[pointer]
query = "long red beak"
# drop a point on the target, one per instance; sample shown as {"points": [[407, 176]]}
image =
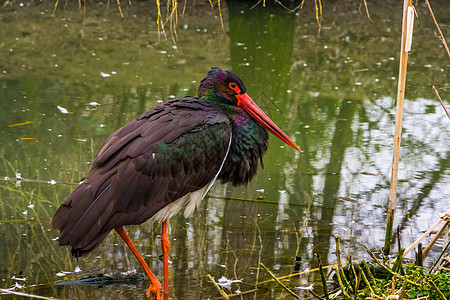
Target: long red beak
{"points": [[247, 104]]}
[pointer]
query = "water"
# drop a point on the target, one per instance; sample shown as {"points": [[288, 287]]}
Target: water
{"points": [[333, 93]]}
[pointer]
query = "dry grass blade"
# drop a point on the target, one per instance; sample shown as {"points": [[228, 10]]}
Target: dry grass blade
{"points": [[279, 282], [120, 9], [56, 6], [318, 9], [6, 292], [367, 10], [440, 100], [441, 36], [84, 18], [20, 124], [297, 274], [220, 13]]}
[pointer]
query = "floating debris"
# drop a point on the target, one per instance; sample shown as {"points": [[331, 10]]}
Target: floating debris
{"points": [[20, 124], [306, 288], [76, 271], [226, 283], [62, 109]]}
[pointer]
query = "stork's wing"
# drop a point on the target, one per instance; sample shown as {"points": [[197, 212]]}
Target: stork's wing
{"points": [[173, 150]]}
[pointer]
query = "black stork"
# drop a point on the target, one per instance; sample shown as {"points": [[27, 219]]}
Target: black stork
{"points": [[164, 160]]}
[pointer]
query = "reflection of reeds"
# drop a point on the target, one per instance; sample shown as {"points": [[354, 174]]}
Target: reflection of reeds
{"points": [[29, 247]]}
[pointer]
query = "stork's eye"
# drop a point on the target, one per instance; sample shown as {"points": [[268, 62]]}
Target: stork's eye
{"points": [[234, 87]]}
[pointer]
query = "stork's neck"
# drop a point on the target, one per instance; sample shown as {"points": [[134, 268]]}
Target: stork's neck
{"points": [[213, 97], [248, 145]]}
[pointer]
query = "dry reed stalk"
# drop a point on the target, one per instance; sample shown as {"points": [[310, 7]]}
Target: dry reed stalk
{"points": [[441, 36], [120, 9], [438, 234], [440, 100], [406, 37], [297, 274], [224, 295], [443, 216], [279, 282]]}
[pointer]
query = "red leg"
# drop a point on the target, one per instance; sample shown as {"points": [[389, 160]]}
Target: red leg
{"points": [[155, 285], [166, 247]]}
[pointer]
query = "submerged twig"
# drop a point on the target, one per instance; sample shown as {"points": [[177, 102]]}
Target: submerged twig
{"points": [[297, 274], [242, 293], [6, 292], [279, 282], [441, 36], [367, 10], [260, 252], [224, 295], [440, 100], [251, 200]]}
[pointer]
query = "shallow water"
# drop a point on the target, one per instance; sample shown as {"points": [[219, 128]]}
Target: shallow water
{"points": [[333, 93]]}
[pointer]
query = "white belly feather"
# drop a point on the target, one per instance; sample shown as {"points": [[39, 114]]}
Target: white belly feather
{"points": [[191, 200]]}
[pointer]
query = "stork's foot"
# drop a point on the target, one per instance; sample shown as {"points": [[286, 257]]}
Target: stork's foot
{"points": [[155, 291]]}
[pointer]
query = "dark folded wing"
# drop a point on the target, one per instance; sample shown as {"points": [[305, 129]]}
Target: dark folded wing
{"points": [[175, 149]]}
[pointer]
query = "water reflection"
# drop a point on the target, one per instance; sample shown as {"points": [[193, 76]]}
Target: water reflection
{"points": [[332, 93]]}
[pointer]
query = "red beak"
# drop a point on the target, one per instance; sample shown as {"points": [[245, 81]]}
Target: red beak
{"points": [[247, 104]]}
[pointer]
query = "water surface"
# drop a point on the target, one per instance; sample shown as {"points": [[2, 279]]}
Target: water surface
{"points": [[332, 91]]}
